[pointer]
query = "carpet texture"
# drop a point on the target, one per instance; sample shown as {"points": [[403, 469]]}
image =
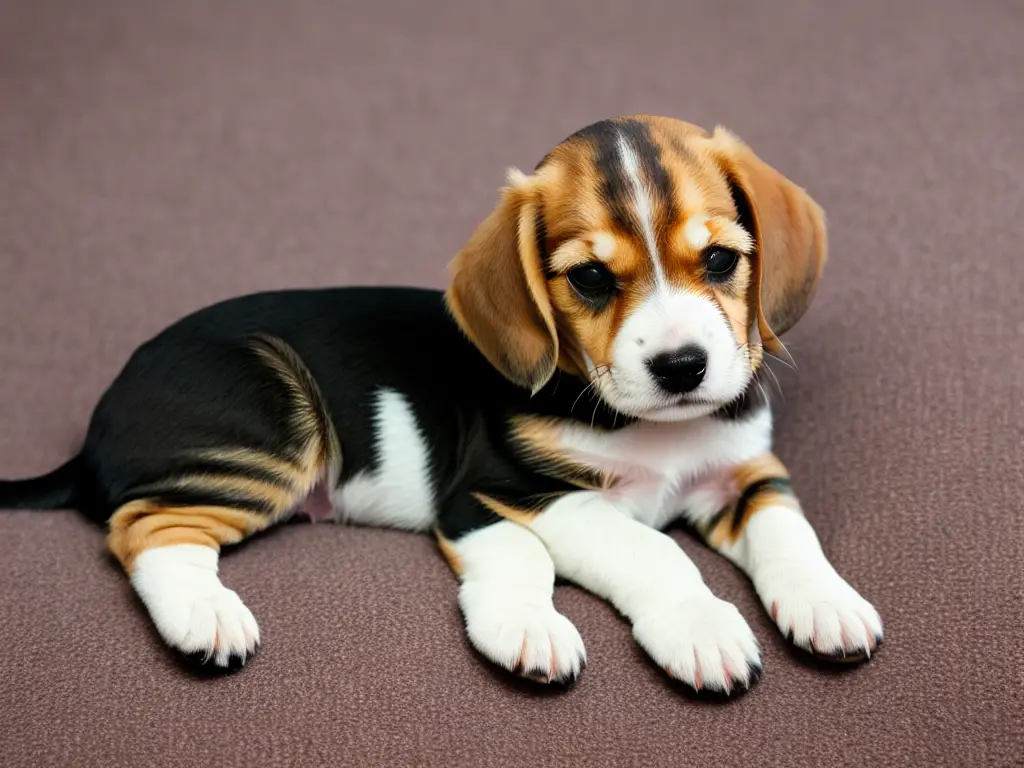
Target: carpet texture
{"points": [[155, 157]]}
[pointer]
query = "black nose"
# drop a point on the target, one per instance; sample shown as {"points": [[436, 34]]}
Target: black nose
{"points": [[680, 371]]}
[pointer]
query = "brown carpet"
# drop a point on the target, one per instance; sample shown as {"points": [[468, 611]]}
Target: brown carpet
{"points": [[156, 156]]}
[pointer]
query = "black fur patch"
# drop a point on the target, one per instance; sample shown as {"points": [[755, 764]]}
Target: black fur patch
{"points": [[749, 403]]}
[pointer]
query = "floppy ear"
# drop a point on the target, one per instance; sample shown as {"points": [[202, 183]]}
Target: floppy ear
{"points": [[789, 230], [498, 294]]}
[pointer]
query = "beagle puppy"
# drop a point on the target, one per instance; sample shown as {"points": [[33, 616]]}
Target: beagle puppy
{"points": [[591, 375]]}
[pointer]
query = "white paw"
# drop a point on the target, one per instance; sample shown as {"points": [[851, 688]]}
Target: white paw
{"points": [[819, 611], [191, 609], [702, 641], [521, 631]]}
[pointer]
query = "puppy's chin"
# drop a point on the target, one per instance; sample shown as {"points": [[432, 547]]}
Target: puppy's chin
{"points": [[682, 412], [656, 407]]}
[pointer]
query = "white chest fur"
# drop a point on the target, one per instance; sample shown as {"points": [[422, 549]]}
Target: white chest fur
{"points": [[658, 465]]}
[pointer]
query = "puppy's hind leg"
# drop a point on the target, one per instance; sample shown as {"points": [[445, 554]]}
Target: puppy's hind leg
{"points": [[167, 533], [171, 555]]}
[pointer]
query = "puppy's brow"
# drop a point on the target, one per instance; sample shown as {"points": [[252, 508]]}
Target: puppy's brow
{"points": [[603, 246], [725, 232], [696, 232], [567, 256]]}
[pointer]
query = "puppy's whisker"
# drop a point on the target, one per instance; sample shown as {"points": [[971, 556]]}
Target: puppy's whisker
{"points": [[764, 394], [780, 360], [775, 380], [598, 372], [581, 394]]}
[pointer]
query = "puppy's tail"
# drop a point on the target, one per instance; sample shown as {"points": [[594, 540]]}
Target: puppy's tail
{"points": [[58, 489]]}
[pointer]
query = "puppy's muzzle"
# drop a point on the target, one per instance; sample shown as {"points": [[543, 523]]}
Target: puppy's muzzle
{"points": [[681, 371]]}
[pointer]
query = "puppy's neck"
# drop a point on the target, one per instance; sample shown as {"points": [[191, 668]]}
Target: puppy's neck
{"points": [[569, 396]]}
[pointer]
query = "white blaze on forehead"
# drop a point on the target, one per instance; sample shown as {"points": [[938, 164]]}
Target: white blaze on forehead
{"points": [[642, 204], [603, 245]]}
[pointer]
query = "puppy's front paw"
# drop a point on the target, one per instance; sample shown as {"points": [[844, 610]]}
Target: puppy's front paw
{"points": [[702, 641], [522, 632], [820, 612], [192, 610]]}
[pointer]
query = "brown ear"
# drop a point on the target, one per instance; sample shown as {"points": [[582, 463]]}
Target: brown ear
{"points": [[498, 294], [789, 229]]}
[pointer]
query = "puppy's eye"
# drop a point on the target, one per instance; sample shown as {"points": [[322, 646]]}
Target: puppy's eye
{"points": [[719, 263], [592, 281]]}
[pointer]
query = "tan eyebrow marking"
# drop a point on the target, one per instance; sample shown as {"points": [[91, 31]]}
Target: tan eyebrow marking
{"points": [[568, 255], [723, 231], [603, 246]]}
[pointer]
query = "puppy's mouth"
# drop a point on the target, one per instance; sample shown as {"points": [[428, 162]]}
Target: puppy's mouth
{"points": [[685, 405], [696, 399], [665, 407]]}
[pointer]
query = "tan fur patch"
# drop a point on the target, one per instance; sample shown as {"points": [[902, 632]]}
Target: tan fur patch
{"points": [[596, 329], [730, 533], [276, 497], [315, 442], [569, 254], [286, 469], [727, 527], [448, 550], [735, 310], [145, 524], [537, 441], [793, 243], [132, 531], [765, 465], [735, 303], [522, 516], [729, 234], [498, 295]]}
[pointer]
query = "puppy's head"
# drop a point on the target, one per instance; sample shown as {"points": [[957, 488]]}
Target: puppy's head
{"points": [[647, 256]]}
